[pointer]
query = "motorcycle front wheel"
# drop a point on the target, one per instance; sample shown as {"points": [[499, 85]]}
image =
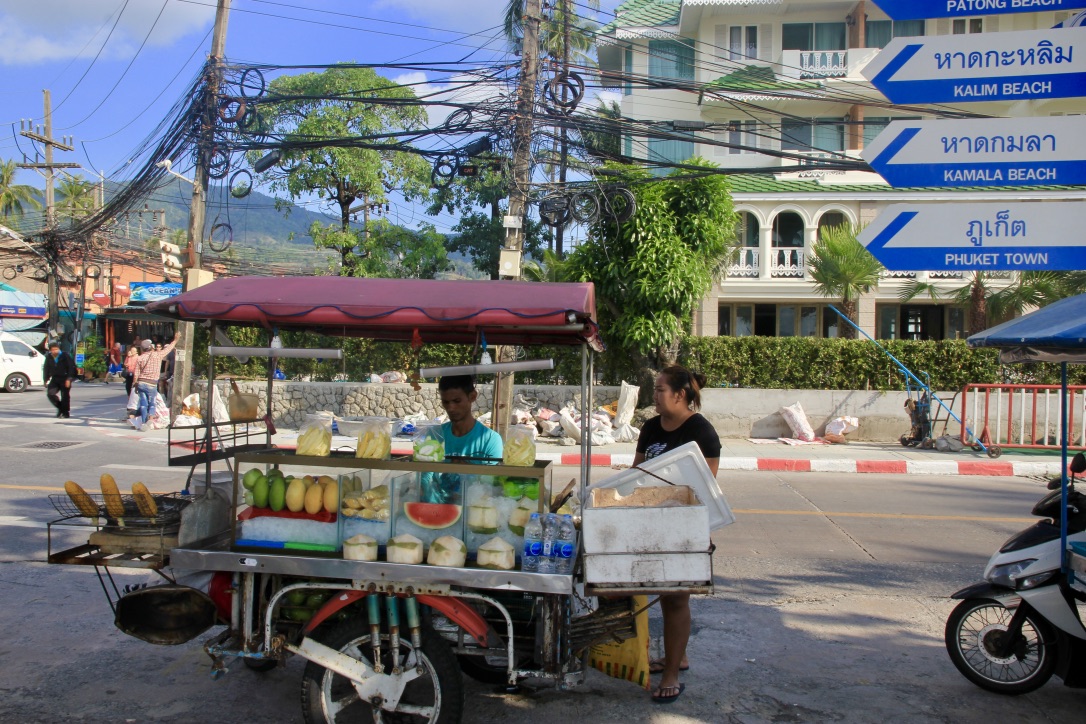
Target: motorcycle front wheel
{"points": [[975, 633]]}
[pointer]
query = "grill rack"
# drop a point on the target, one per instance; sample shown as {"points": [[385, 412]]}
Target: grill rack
{"points": [[169, 505]]}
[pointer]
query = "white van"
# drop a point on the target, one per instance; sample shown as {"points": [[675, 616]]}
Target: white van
{"points": [[21, 365]]}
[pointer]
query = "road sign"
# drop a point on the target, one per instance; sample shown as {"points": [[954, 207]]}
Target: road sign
{"points": [[921, 9], [1026, 65], [986, 236], [981, 152]]}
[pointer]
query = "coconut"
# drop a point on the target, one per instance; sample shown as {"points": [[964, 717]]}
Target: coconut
{"points": [[404, 549], [360, 548], [483, 517], [447, 551], [496, 553], [522, 514]]}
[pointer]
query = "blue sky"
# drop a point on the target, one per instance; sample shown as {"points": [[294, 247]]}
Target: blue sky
{"points": [[115, 67]]}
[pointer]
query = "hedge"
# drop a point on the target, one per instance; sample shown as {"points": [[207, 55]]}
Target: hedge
{"points": [[758, 362]]}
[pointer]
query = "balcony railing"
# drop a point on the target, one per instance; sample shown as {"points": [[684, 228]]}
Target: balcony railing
{"points": [[823, 63], [786, 262], [746, 265], [945, 275], [887, 274]]}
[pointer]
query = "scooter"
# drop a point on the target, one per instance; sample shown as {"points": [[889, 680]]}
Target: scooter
{"points": [[1011, 633]]}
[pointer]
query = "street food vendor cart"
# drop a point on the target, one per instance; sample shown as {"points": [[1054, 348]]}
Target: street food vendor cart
{"points": [[384, 637]]}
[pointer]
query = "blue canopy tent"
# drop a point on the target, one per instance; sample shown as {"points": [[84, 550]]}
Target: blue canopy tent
{"points": [[1056, 333]]}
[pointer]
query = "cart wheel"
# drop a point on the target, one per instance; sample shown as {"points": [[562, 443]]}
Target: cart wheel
{"points": [[994, 451], [435, 697], [260, 665], [977, 447]]}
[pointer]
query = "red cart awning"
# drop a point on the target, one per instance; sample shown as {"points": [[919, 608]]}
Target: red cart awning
{"points": [[508, 312]]}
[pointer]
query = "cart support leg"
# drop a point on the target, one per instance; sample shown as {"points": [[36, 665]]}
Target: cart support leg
{"points": [[373, 609], [392, 606]]}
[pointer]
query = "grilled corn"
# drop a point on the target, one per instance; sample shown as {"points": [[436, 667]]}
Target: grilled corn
{"points": [[114, 504], [144, 501], [82, 501]]}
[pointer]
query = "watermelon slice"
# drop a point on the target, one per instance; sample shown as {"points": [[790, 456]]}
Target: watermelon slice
{"points": [[432, 515]]}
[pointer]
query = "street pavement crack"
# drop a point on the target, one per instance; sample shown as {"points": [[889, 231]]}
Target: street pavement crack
{"points": [[829, 518]]}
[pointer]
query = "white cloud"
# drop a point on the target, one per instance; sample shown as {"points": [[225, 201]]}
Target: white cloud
{"points": [[58, 30]]}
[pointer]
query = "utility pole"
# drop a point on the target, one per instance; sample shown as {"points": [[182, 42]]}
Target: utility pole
{"points": [[510, 256], [182, 369], [44, 136]]}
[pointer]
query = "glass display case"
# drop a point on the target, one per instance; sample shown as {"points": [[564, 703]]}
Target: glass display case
{"points": [[382, 499]]}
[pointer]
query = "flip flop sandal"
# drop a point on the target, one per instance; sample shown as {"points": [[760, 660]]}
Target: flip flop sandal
{"points": [[656, 666], [668, 699]]}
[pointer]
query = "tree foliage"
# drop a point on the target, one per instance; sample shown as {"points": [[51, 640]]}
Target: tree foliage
{"points": [[15, 198], [332, 105], [652, 271], [841, 267]]}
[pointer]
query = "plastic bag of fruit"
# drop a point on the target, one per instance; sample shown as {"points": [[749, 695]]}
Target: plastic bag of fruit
{"points": [[519, 446], [315, 436], [374, 439], [428, 444]]}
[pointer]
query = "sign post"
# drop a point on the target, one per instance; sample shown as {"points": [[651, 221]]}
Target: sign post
{"points": [[988, 236], [1025, 65], [981, 152]]}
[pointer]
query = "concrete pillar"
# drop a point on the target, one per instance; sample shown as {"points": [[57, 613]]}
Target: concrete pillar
{"points": [[706, 316], [865, 313], [765, 250]]}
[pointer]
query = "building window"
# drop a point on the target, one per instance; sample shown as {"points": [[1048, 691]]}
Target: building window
{"points": [[968, 26], [873, 126], [818, 134], [788, 230], [627, 66], [808, 321], [773, 320], [955, 323], [879, 33], [814, 36], [743, 42], [668, 151], [786, 320], [740, 138], [887, 322], [831, 323], [749, 229], [671, 59], [744, 320], [829, 220]]}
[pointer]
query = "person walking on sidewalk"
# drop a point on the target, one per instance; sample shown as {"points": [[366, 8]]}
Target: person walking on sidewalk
{"points": [[677, 395], [145, 379], [59, 373]]}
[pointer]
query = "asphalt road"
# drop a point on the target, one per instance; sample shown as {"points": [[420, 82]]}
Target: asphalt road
{"points": [[831, 596]]}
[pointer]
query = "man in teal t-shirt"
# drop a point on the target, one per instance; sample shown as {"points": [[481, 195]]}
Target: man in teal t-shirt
{"points": [[464, 436]]}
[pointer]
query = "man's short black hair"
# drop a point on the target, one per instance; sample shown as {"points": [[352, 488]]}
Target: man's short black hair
{"points": [[54, 344], [456, 382]]}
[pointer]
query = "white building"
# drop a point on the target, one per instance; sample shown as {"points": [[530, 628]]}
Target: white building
{"points": [[773, 76]]}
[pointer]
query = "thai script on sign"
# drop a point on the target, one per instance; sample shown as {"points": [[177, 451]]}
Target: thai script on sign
{"points": [[1044, 54], [997, 144], [1002, 227]]}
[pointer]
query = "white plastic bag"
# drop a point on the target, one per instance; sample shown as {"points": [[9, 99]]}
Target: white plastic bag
{"points": [[519, 446], [627, 406], [394, 376], [842, 425], [315, 436], [797, 422]]}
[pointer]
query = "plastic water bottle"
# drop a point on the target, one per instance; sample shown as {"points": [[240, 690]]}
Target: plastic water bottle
{"points": [[533, 544], [565, 545], [550, 536]]}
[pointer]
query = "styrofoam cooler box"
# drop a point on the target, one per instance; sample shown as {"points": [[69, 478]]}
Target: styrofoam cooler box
{"points": [[648, 520], [660, 572], [685, 465]]}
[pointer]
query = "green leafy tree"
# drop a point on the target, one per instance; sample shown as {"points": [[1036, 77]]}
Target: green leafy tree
{"points": [[76, 197], [550, 268], [337, 105], [652, 271], [841, 267], [15, 198]]}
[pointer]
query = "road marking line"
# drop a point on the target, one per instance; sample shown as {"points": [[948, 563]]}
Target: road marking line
{"points": [[30, 487], [896, 516]]}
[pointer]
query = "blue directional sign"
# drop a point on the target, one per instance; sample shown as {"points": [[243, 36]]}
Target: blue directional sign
{"points": [[981, 236], [981, 152], [921, 9], [1026, 65]]}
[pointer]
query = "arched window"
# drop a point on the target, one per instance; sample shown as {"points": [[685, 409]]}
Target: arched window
{"points": [[788, 230], [830, 219]]}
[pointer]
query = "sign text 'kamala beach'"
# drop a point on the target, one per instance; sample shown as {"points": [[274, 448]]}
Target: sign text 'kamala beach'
{"points": [[1026, 65], [923, 9], [985, 236], [981, 152]]}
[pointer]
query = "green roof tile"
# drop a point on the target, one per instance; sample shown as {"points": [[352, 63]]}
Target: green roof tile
{"points": [[644, 14], [756, 78]]}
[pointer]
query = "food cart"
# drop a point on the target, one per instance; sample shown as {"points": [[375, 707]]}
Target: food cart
{"points": [[384, 638]]}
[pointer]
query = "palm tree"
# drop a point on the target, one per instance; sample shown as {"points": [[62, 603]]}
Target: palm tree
{"points": [[13, 196], [988, 304], [548, 269], [76, 196], [841, 267]]}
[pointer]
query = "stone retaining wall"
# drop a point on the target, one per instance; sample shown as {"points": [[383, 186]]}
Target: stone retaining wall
{"points": [[291, 401]]}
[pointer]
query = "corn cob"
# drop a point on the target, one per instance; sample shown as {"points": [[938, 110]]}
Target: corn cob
{"points": [[144, 501], [82, 501], [114, 504]]}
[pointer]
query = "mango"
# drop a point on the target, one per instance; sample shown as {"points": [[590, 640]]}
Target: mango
{"points": [[295, 496], [314, 499], [277, 494], [326, 480], [260, 493], [331, 497]]}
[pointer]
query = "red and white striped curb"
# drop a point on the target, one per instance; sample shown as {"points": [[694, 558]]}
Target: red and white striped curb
{"points": [[886, 467]]}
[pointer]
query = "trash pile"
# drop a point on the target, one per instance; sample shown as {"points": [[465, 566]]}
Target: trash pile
{"points": [[608, 424]]}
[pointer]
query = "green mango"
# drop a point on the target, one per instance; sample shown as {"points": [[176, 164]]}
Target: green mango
{"points": [[250, 478], [297, 597], [277, 494], [260, 493]]}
